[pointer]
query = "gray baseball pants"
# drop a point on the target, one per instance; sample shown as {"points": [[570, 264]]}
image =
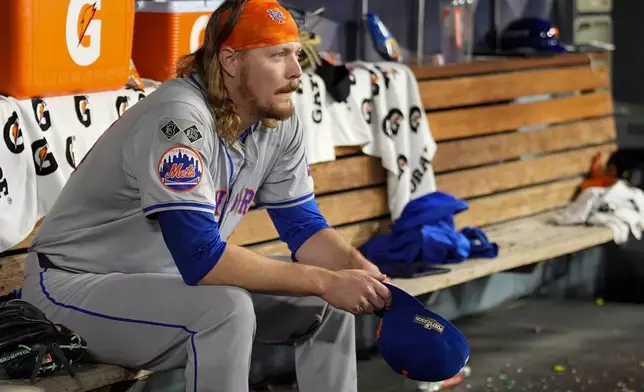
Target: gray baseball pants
{"points": [[157, 322]]}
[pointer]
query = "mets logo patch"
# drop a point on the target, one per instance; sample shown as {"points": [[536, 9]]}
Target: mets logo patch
{"points": [[180, 169]]}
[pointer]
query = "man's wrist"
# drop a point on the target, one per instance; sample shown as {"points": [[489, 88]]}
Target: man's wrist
{"points": [[321, 278], [358, 261]]}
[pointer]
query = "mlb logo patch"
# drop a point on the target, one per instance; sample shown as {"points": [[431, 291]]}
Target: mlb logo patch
{"points": [[276, 14], [180, 169]]}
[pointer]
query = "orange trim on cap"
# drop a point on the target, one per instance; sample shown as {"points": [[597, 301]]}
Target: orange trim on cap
{"points": [[263, 23]]}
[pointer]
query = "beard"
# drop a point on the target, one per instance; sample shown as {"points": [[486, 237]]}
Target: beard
{"points": [[274, 110]]}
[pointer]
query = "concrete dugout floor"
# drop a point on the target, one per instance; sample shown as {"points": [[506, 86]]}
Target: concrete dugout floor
{"points": [[542, 345]]}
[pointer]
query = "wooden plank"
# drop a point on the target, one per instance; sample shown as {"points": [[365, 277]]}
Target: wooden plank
{"points": [[347, 173], [353, 206], [471, 90], [453, 124], [346, 150], [521, 242], [11, 273], [518, 203], [471, 183], [503, 64], [362, 171], [338, 209], [88, 377], [464, 153], [355, 234]]}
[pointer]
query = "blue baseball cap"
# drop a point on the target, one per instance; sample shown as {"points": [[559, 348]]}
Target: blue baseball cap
{"points": [[418, 343], [533, 34]]}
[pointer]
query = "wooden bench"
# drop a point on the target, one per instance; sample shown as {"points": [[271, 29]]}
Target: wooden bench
{"points": [[515, 163]]}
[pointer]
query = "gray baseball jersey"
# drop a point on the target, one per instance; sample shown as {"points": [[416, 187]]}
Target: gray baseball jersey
{"points": [[164, 154]]}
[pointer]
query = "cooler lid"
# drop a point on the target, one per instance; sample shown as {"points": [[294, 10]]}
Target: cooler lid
{"points": [[177, 6]]}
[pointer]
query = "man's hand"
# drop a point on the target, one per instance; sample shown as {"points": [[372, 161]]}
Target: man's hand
{"points": [[370, 267], [356, 291]]}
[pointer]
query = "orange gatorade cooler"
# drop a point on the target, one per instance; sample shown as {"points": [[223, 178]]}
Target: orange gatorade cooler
{"points": [[63, 47], [166, 30]]}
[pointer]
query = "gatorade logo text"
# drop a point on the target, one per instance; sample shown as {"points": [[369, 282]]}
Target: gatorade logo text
{"points": [[13, 134], [41, 113], [69, 152], [402, 164], [419, 172], [414, 118], [4, 187], [81, 105], [121, 105], [43, 158], [196, 34], [83, 31], [391, 123], [316, 115]]}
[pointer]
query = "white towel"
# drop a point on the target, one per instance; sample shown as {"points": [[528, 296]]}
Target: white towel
{"points": [[18, 202], [400, 133], [619, 207], [55, 134], [310, 101], [350, 127]]}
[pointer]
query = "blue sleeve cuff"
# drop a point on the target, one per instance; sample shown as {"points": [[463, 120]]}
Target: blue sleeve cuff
{"points": [[192, 237], [297, 224]]}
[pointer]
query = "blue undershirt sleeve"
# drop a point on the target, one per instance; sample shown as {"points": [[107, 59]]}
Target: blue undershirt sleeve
{"points": [[298, 223], [192, 237]]}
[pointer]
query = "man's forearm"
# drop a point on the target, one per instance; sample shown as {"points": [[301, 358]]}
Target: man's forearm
{"points": [[246, 269], [327, 249]]}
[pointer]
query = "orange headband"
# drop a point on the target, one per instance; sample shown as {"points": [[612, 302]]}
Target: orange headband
{"points": [[263, 23]]}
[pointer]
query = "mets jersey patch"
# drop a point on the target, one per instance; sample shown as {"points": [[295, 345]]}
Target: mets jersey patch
{"points": [[180, 169], [180, 131]]}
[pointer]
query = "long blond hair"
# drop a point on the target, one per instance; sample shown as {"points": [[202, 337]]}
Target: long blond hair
{"points": [[205, 62]]}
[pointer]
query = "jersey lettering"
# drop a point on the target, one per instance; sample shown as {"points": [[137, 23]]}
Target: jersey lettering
{"points": [[240, 205], [233, 207], [220, 198], [246, 200]]}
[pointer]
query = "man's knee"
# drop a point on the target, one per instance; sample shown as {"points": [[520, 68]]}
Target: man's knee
{"points": [[227, 305]]}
